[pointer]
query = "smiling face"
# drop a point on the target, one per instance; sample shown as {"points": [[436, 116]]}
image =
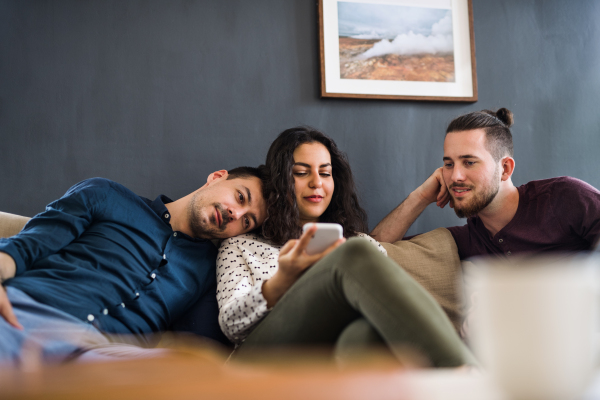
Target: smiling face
{"points": [[226, 208], [470, 172], [313, 180]]}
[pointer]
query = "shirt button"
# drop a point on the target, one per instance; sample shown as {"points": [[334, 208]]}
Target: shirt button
{"points": [[90, 317], [175, 234], [500, 240], [508, 253], [153, 276], [166, 215], [105, 311], [137, 295], [123, 305], [164, 256]]}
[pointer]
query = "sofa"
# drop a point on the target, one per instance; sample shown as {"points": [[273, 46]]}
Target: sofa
{"points": [[430, 258]]}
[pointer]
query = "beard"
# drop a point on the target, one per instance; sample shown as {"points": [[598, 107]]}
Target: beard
{"points": [[479, 200], [201, 227]]}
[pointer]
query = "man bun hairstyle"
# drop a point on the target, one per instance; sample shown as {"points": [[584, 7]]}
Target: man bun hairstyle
{"points": [[496, 125], [504, 115]]}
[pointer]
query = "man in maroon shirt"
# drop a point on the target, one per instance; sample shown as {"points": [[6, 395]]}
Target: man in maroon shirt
{"points": [[558, 214]]}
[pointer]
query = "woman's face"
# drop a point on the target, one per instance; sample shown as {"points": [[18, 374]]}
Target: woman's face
{"points": [[313, 180]]}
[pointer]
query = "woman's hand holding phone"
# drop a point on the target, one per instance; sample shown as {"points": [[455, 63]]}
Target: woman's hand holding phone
{"points": [[293, 261]]}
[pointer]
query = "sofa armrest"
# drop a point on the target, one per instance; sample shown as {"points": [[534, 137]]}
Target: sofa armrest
{"points": [[11, 224], [432, 260]]}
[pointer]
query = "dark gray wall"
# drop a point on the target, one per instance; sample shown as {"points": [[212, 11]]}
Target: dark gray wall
{"points": [[157, 95]]}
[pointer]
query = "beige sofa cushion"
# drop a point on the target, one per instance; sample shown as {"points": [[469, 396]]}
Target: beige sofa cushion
{"points": [[11, 224], [432, 259]]}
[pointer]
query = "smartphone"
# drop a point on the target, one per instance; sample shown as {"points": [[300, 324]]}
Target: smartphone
{"points": [[326, 235]]}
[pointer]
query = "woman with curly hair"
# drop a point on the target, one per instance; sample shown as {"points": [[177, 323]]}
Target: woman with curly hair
{"points": [[271, 293]]}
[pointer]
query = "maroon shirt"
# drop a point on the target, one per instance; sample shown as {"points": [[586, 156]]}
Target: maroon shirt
{"points": [[557, 214]]}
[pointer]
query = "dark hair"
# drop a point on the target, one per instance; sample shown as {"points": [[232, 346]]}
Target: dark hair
{"points": [[281, 224], [496, 125], [247, 172]]}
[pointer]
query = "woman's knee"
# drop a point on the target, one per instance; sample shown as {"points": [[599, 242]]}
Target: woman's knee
{"points": [[358, 247], [358, 254]]}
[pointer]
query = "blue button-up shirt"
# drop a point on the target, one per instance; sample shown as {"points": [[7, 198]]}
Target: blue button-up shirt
{"points": [[110, 257]]}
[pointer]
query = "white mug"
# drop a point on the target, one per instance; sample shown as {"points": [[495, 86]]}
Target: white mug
{"points": [[534, 323]]}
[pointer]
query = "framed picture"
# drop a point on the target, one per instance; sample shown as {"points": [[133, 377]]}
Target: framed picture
{"points": [[398, 49]]}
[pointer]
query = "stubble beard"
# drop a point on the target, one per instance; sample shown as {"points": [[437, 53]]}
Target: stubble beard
{"points": [[202, 228], [479, 200]]}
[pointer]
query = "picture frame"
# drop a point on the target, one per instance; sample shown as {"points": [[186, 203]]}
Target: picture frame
{"points": [[398, 50]]}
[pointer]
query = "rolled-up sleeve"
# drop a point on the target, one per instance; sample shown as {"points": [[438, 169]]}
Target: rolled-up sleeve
{"points": [[63, 221]]}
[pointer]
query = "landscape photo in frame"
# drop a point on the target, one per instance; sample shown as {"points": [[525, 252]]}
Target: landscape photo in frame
{"points": [[398, 49]]}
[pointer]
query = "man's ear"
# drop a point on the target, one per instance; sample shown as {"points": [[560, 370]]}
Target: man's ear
{"points": [[216, 176], [508, 167]]}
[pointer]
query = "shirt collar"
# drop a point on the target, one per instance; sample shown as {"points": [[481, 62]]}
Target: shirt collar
{"points": [[158, 206]]}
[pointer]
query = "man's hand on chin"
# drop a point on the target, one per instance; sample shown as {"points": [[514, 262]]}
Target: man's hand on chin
{"points": [[434, 189], [395, 225]]}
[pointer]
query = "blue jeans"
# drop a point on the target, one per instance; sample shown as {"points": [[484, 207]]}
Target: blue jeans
{"points": [[49, 335]]}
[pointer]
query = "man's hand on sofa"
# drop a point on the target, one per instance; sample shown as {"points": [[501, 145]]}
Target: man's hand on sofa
{"points": [[8, 269], [6, 310]]}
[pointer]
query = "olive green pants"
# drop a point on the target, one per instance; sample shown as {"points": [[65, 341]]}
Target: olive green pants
{"points": [[356, 282]]}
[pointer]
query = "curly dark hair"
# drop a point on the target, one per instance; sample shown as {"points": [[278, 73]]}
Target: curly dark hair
{"points": [[281, 224]]}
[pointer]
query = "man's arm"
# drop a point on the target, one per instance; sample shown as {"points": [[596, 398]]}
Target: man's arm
{"points": [[62, 222], [7, 267], [47, 233], [394, 226], [576, 205]]}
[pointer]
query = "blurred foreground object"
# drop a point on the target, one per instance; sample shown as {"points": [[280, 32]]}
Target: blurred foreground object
{"points": [[535, 325], [196, 371], [201, 373]]}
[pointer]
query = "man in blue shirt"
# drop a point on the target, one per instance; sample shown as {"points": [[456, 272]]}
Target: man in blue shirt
{"points": [[104, 260]]}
